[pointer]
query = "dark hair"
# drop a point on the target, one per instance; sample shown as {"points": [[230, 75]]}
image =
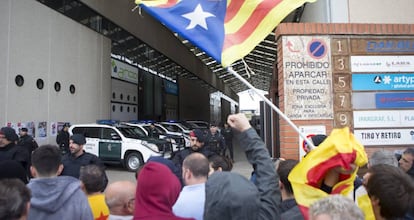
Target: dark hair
{"points": [[46, 159], [14, 196], [285, 166], [92, 177], [198, 164], [393, 188], [409, 150], [217, 161]]}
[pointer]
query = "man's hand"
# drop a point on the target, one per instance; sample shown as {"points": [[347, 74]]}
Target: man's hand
{"points": [[238, 122]]}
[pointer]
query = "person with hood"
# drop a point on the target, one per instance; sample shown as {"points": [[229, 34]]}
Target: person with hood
{"points": [[157, 191], [53, 196], [232, 196]]}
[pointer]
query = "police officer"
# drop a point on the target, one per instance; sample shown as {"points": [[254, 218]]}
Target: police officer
{"points": [[27, 141], [215, 141], [62, 139], [10, 151]]}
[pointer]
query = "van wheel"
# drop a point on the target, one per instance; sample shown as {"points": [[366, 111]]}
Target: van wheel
{"points": [[133, 161]]}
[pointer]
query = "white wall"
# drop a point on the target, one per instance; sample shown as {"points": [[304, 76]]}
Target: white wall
{"points": [[40, 43], [125, 89], [381, 11], [360, 11]]}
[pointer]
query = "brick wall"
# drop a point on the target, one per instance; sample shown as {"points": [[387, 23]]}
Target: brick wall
{"points": [[289, 139]]}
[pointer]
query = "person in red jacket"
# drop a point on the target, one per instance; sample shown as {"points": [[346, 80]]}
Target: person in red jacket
{"points": [[157, 191]]}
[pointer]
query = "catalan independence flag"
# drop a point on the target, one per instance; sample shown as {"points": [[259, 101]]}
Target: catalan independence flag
{"points": [[339, 150], [226, 30]]}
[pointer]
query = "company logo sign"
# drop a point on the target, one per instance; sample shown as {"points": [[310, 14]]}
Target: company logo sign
{"points": [[380, 81]]}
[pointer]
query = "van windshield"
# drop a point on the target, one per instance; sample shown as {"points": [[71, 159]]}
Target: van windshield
{"points": [[132, 132]]}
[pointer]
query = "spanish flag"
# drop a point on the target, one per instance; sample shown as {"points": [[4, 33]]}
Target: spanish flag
{"points": [[340, 149], [226, 30]]}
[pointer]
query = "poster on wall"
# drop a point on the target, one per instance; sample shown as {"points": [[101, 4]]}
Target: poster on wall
{"points": [[30, 127], [309, 131], [18, 125], [59, 125], [53, 128], [42, 129]]}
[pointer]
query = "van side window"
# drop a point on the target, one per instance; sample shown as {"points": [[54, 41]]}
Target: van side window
{"points": [[79, 130], [92, 132], [108, 133]]}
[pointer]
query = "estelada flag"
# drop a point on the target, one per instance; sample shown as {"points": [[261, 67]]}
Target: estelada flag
{"points": [[339, 149], [226, 30]]}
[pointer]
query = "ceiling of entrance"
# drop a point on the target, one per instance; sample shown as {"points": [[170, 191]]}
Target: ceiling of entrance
{"points": [[126, 46]]}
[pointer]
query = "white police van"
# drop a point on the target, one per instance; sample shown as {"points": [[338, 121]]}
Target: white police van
{"points": [[121, 144], [177, 141]]}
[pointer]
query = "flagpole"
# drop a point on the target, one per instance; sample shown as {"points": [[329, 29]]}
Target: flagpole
{"points": [[310, 144]]}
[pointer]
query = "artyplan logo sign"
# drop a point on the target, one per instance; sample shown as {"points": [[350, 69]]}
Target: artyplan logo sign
{"points": [[124, 71], [378, 81]]}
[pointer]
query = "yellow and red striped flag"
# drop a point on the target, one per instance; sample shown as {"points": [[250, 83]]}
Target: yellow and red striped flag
{"points": [[226, 30], [340, 149]]}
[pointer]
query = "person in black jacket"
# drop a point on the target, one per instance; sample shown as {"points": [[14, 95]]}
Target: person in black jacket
{"points": [[289, 208], [10, 151], [231, 196], [214, 141], [62, 139], [73, 161], [228, 139], [197, 139], [27, 141]]}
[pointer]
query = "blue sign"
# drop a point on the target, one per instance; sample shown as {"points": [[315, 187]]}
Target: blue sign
{"points": [[170, 87], [381, 81], [394, 100], [390, 46], [317, 49]]}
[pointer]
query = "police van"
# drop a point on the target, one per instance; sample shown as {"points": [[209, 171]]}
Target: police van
{"points": [[121, 144]]}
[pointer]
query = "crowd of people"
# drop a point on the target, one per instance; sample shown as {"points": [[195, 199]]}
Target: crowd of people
{"points": [[197, 183]]}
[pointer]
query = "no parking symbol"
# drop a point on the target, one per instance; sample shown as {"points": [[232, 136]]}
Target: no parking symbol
{"points": [[317, 48]]}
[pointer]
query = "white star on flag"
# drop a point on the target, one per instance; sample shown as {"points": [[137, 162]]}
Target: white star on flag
{"points": [[198, 17]]}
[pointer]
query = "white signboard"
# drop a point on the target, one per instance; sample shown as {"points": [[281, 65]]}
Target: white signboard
{"points": [[384, 119], [365, 64], [309, 131], [124, 71], [307, 77], [378, 137]]}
